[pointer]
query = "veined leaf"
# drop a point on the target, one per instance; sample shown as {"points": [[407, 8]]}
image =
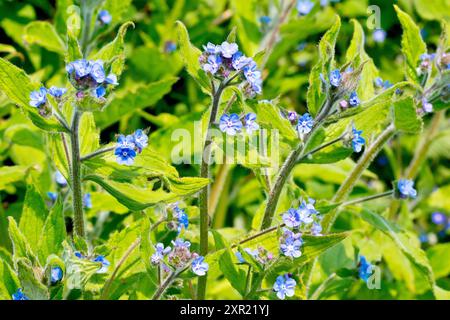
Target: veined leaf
{"points": [[412, 44], [234, 274], [44, 34], [90, 137], [405, 116], [53, 233], [32, 286], [140, 197], [190, 55], [133, 99], [17, 86], [21, 248], [9, 283]]}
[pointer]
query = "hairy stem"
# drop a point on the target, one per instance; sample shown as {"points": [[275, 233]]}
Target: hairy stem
{"points": [[169, 280], [368, 198], [77, 196], [97, 153], [204, 193]]}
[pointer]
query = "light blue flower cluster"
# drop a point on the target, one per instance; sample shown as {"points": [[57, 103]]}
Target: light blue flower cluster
{"points": [[179, 256], [38, 98], [104, 263], [225, 60], [284, 286], [405, 188], [364, 269], [232, 124], [129, 146], [304, 7], [90, 75], [301, 219]]}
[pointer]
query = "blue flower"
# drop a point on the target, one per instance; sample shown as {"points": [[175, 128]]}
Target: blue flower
{"points": [[79, 255], [99, 92], [111, 79], [19, 295], [228, 49], [52, 196], [253, 253], [124, 151], [180, 243], [104, 17], [357, 141], [304, 7], [57, 92], [182, 217], [365, 269], [212, 48], [291, 247], [60, 179], [213, 64], [305, 124], [56, 275], [105, 264], [230, 124], [38, 97], [140, 139], [379, 35], [316, 229], [159, 254], [354, 100], [87, 201], [250, 123], [81, 68], [239, 61], [199, 266], [170, 46], [97, 72], [438, 218], [253, 76], [265, 20], [406, 188], [335, 78], [292, 218], [292, 116], [284, 286], [307, 211], [426, 106]]}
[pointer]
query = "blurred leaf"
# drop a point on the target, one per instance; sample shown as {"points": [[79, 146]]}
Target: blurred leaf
{"points": [[437, 10], [412, 44], [439, 255], [11, 174], [44, 34]]}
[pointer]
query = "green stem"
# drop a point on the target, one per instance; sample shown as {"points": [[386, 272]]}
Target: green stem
{"points": [[322, 287], [86, 32], [169, 280], [77, 196], [204, 193], [97, 153], [368, 198]]}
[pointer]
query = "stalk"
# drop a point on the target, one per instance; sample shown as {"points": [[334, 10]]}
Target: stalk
{"points": [[77, 197], [204, 193]]}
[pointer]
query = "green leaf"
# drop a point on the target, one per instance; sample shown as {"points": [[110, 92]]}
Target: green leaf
{"points": [[22, 134], [412, 44], [44, 34], [90, 139], [21, 248], [133, 99], [439, 255], [405, 116], [11, 174], [437, 10], [315, 96], [32, 287], [15, 84], [404, 240], [34, 214], [117, 9], [113, 52], [234, 274], [190, 55], [140, 197], [53, 233], [73, 47], [9, 283]]}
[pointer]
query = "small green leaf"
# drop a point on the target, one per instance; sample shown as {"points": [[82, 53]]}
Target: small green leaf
{"points": [[21, 248], [234, 274], [405, 116], [32, 286], [190, 55], [412, 44], [53, 233], [9, 283]]}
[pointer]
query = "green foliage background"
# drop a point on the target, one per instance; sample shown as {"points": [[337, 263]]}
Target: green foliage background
{"points": [[159, 89]]}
